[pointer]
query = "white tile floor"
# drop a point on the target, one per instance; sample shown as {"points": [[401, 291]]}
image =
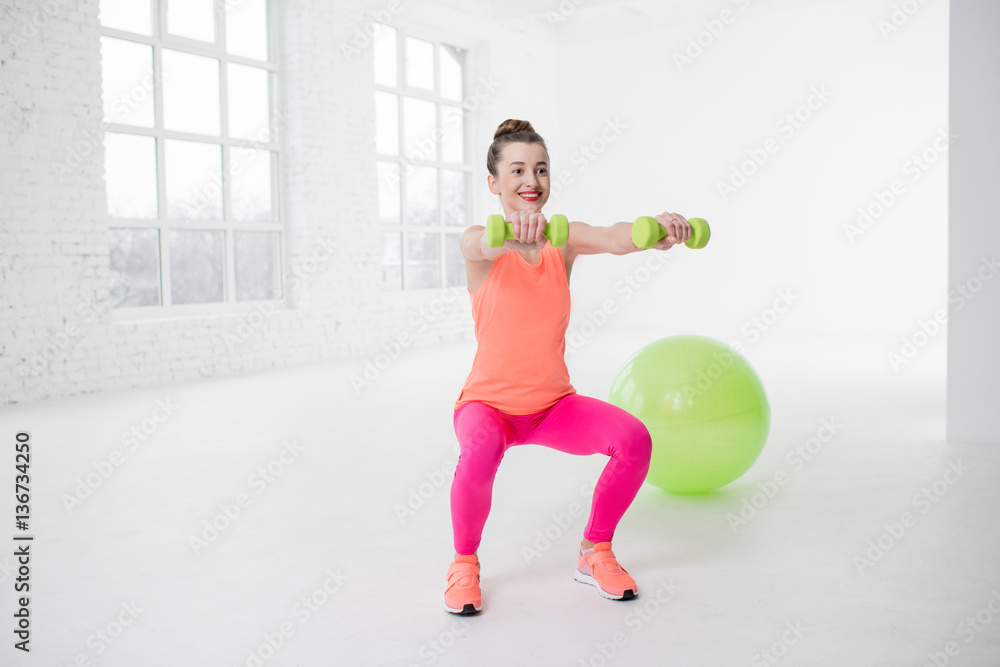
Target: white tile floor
{"points": [[321, 563]]}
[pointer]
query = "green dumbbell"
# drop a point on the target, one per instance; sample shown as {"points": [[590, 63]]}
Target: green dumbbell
{"points": [[647, 232], [499, 230]]}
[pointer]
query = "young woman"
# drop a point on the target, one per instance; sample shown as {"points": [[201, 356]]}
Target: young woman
{"points": [[519, 390]]}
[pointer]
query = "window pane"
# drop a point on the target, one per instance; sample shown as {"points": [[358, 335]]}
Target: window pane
{"points": [[134, 271], [250, 171], [453, 134], [190, 93], [419, 63], [248, 103], [387, 123], [392, 261], [130, 174], [388, 193], [420, 129], [132, 15], [258, 265], [246, 28], [192, 18], [127, 82], [423, 260], [454, 190], [454, 264], [385, 56], [452, 60], [197, 265], [421, 191], [194, 180]]}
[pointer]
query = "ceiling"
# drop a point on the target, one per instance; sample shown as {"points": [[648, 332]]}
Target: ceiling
{"points": [[660, 11], [588, 21]]}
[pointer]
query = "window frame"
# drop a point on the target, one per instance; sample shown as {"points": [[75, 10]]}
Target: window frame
{"points": [[404, 90], [158, 41]]}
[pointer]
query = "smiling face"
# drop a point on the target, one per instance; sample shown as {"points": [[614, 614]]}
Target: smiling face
{"points": [[522, 179]]}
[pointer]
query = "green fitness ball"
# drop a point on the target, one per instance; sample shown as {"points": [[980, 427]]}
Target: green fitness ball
{"points": [[705, 409]]}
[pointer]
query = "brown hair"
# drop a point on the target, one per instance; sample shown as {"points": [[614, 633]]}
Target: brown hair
{"points": [[511, 131]]}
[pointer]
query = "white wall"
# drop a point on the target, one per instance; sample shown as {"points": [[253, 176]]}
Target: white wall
{"points": [[878, 82], [974, 233]]}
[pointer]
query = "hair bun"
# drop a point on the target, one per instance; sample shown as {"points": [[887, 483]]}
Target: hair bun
{"points": [[511, 125], [511, 131]]}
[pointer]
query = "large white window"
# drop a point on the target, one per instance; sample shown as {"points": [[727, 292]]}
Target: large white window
{"points": [[191, 153], [423, 159]]}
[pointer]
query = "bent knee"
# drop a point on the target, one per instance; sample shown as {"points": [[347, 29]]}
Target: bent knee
{"points": [[480, 458], [638, 444], [631, 444]]}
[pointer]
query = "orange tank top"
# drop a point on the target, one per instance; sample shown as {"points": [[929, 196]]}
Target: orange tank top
{"points": [[521, 313]]}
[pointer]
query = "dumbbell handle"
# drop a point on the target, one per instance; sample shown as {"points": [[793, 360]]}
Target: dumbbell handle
{"points": [[499, 230], [647, 232]]}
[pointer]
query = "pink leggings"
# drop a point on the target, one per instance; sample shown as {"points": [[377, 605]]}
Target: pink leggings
{"points": [[575, 425]]}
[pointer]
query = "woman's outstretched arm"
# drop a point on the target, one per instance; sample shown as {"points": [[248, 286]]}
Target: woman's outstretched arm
{"points": [[616, 239]]}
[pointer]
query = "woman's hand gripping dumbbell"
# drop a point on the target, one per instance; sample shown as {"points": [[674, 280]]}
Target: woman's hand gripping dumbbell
{"points": [[647, 232], [499, 230]]}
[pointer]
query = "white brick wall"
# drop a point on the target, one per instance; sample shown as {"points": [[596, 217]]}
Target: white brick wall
{"points": [[57, 336]]}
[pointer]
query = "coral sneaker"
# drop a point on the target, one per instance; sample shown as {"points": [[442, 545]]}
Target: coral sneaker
{"points": [[599, 568], [463, 595]]}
